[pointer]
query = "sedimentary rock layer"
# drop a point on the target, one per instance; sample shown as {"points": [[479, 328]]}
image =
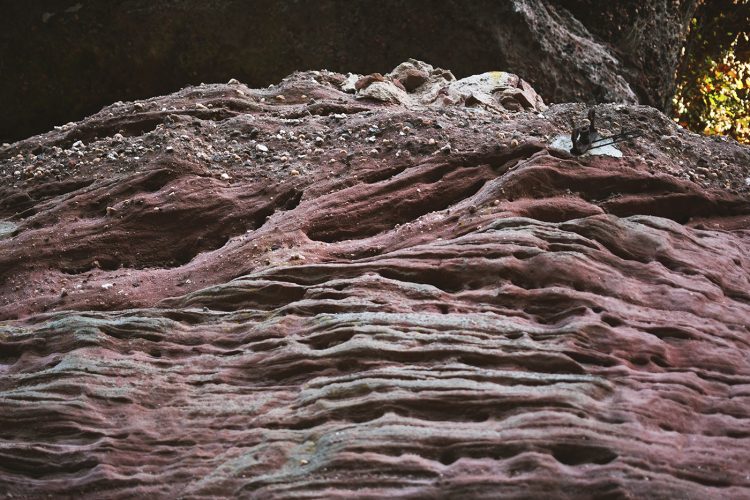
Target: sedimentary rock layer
{"points": [[398, 291]]}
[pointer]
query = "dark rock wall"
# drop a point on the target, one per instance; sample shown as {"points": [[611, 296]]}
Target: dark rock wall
{"points": [[63, 60], [646, 36]]}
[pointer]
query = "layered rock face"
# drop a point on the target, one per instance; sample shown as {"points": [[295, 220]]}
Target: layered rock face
{"points": [[348, 286]]}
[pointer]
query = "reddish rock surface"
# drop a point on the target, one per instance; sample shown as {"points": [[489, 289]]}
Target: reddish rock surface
{"points": [[402, 291]]}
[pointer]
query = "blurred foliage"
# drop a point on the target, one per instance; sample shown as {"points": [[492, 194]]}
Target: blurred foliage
{"points": [[713, 81]]}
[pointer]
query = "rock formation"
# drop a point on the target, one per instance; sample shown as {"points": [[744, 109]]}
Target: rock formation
{"points": [[67, 58], [373, 286]]}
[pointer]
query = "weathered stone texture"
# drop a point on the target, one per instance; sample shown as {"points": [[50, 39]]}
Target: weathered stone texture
{"points": [[300, 292]]}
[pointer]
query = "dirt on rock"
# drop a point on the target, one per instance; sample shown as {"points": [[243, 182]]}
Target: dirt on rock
{"points": [[345, 286]]}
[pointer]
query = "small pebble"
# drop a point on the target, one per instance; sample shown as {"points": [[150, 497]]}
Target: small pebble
{"points": [[262, 147]]}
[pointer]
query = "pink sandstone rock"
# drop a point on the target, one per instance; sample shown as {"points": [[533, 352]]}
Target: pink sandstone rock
{"points": [[298, 292]]}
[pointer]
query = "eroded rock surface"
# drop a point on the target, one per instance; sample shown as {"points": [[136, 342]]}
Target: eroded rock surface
{"points": [[310, 291]]}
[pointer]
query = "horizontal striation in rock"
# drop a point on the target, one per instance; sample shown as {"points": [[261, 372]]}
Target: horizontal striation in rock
{"points": [[495, 318]]}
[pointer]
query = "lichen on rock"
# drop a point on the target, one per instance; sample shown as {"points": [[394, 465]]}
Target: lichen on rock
{"points": [[415, 83]]}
